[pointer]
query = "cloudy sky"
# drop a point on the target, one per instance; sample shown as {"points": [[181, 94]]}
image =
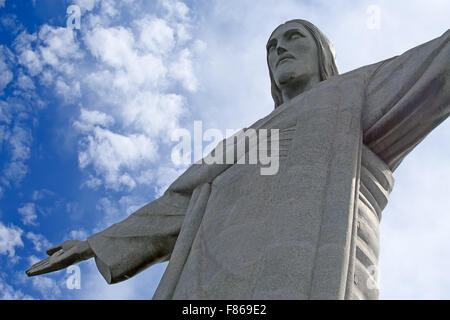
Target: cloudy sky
{"points": [[86, 117]]}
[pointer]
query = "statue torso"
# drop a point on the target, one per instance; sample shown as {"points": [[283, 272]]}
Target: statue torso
{"points": [[249, 243]]}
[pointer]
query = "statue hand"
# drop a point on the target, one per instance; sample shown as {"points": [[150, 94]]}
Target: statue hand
{"points": [[62, 256]]}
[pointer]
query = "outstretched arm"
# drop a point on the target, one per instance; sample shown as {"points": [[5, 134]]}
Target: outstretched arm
{"points": [[122, 250], [406, 98]]}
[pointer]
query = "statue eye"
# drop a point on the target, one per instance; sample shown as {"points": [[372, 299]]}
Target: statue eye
{"points": [[294, 35], [271, 46]]}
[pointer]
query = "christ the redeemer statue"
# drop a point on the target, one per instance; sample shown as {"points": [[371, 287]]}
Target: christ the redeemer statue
{"points": [[311, 230]]}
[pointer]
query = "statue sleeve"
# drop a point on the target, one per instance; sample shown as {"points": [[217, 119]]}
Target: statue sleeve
{"points": [[144, 238], [406, 98]]}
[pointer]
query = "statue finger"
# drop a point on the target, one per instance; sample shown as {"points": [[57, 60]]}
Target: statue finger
{"points": [[54, 249], [38, 268], [38, 264], [49, 265]]}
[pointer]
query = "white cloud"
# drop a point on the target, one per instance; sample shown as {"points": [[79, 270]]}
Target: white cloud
{"points": [[15, 139], [95, 117], [33, 259], [19, 141], [176, 9], [154, 114], [86, 4], [69, 92], [6, 75], [48, 287], [41, 194], [53, 47], [114, 46], [2, 3], [125, 76], [10, 238], [92, 182], [39, 241], [108, 8], [111, 212], [25, 83], [116, 210], [127, 89], [78, 235], [183, 70], [141, 286], [59, 45], [112, 155], [130, 204], [165, 177], [24, 41], [128, 107], [31, 61], [89, 119], [7, 292], [14, 172], [28, 213], [155, 35]]}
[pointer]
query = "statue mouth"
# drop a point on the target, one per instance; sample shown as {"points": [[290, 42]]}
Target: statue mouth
{"points": [[284, 58]]}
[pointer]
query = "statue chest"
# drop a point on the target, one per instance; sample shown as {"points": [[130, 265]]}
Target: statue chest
{"points": [[253, 245]]}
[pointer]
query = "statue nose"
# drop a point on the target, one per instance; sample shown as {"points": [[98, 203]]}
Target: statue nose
{"points": [[281, 50]]}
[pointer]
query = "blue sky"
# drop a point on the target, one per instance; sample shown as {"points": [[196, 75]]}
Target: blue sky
{"points": [[86, 118]]}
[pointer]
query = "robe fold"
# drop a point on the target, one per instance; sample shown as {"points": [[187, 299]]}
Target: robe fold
{"points": [[311, 230]]}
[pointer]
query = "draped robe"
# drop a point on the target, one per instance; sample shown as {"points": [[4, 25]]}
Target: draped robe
{"points": [[311, 230]]}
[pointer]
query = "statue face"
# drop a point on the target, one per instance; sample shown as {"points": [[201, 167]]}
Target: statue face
{"points": [[292, 54]]}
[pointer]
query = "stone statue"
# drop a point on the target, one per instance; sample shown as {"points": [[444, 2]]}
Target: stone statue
{"points": [[311, 230]]}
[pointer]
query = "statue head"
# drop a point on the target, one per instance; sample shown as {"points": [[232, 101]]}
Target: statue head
{"points": [[298, 53]]}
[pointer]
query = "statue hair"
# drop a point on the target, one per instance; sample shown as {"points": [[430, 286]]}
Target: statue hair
{"points": [[327, 57]]}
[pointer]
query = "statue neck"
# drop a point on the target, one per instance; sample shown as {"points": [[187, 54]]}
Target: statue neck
{"points": [[298, 86]]}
